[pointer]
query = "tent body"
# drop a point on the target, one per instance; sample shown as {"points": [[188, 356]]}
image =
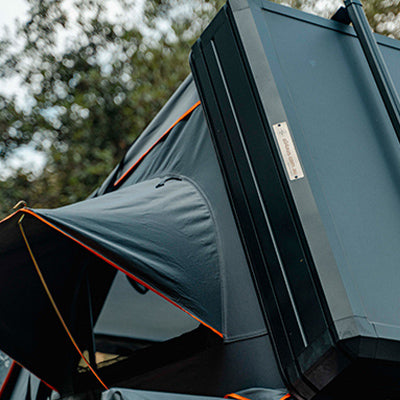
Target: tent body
{"points": [[157, 244]]}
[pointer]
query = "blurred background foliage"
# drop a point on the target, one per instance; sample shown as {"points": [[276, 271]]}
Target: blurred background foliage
{"points": [[92, 74]]}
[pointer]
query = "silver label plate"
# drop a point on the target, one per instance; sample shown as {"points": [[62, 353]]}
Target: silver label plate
{"points": [[288, 151]]}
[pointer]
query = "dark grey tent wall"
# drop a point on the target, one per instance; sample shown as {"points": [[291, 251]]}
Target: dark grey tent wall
{"points": [[214, 371]]}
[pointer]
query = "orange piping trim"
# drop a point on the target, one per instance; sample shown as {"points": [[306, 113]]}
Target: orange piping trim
{"points": [[14, 363], [3, 386], [53, 303], [154, 144], [48, 385], [238, 397], [235, 396], [25, 210], [9, 217]]}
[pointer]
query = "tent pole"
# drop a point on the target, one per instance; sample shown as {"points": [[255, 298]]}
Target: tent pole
{"points": [[92, 342], [54, 305], [376, 62]]}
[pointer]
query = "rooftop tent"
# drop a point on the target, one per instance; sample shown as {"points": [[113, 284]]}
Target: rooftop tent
{"points": [[163, 219], [282, 209]]}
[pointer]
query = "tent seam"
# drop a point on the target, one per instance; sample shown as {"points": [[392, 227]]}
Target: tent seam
{"points": [[131, 169], [247, 336], [221, 259]]}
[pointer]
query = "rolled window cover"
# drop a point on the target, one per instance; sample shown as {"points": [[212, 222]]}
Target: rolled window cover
{"points": [[247, 394], [128, 394]]}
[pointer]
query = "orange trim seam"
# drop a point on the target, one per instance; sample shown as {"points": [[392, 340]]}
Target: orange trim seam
{"points": [[50, 296], [132, 167], [8, 377], [238, 397], [14, 363], [9, 216], [3, 386], [47, 384], [28, 211], [235, 396]]}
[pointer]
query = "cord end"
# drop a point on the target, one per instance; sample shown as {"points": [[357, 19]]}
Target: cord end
{"points": [[20, 204]]}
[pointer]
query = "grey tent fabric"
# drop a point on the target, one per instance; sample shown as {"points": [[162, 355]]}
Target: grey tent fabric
{"points": [[188, 151], [185, 97], [26, 387]]}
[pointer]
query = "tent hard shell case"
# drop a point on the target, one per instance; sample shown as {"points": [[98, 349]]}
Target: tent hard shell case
{"points": [[306, 131]]}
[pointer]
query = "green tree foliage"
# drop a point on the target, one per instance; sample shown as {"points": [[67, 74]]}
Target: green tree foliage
{"points": [[88, 99], [383, 15], [92, 83]]}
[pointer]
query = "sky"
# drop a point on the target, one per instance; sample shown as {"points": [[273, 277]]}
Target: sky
{"points": [[24, 157], [10, 10]]}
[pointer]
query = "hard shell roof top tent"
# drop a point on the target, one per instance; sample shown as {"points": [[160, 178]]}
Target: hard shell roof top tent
{"points": [[269, 204]]}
